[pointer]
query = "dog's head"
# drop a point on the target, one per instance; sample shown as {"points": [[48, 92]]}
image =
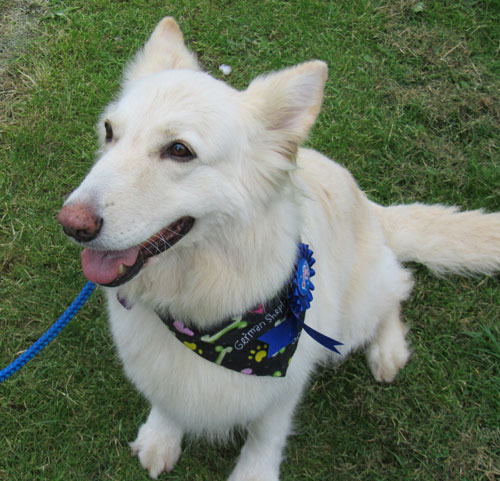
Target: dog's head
{"points": [[184, 155]]}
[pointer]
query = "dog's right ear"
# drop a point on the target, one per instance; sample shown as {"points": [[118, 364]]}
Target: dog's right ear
{"points": [[164, 50], [287, 102]]}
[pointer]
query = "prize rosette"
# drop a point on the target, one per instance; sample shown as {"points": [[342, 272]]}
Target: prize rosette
{"points": [[301, 295]]}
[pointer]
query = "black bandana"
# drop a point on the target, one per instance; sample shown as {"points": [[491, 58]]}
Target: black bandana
{"points": [[262, 341], [236, 342]]}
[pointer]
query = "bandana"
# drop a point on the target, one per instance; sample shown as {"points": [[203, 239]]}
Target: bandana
{"points": [[237, 343], [263, 340]]}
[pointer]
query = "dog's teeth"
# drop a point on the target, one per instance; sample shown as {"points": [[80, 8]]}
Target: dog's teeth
{"points": [[121, 269]]}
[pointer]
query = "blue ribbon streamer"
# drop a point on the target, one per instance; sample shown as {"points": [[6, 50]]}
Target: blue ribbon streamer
{"points": [[325, 341]]}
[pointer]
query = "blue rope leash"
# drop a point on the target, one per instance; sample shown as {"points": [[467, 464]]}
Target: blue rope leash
{"points": [[51, 333]]}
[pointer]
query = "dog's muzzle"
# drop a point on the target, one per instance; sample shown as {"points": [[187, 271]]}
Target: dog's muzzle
{"points": [[113, 268]]}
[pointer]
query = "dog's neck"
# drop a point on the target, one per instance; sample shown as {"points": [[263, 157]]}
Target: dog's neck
{"points": [[227, 273]]}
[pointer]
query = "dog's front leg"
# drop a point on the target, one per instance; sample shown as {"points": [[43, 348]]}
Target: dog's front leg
{"points": [[158, 443], [260, 457]]}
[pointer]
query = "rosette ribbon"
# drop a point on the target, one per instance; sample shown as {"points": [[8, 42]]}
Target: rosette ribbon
{"points": [[300, 298]]}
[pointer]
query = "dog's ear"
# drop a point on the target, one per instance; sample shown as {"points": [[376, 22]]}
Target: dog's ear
{"points": [[288, 101], [164, 50]]}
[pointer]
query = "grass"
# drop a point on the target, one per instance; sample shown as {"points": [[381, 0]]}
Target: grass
{"points": [[411, 108]]}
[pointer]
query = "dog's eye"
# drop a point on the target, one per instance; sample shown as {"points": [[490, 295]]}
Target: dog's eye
{"points": [[109, 131], [177, 151]]}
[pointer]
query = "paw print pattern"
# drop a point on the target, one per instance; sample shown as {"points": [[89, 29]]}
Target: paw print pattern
{"points": [[258, 354], [193, 347]]}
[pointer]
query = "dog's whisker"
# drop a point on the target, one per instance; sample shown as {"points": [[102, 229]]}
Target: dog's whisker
{"points": [[147, 248], [178, 234], [170, 246]]}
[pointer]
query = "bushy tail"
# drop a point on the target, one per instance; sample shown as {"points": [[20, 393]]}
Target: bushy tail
{"points": [[443, 238]]}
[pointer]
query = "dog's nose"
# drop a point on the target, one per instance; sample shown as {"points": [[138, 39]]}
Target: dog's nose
{"points": [[80, 222]]}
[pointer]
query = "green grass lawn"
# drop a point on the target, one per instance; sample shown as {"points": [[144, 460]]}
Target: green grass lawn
{"points": [[412, 108]]}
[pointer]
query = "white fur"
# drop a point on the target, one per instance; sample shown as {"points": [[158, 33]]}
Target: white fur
{"points": [[254, 194]]}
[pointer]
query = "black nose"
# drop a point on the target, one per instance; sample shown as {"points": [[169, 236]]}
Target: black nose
{"points": [[80, 222]]}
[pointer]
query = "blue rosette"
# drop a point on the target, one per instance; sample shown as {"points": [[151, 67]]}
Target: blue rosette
{"points": [[301, 295]]}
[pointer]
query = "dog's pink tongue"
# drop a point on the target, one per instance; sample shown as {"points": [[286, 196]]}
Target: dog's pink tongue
{"points": [[102, 266]]}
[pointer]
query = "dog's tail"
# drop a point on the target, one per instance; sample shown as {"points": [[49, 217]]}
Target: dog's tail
{"points": [[443, 238]]}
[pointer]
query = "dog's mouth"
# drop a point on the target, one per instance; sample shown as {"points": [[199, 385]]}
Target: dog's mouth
{"points": [[114, 268]]}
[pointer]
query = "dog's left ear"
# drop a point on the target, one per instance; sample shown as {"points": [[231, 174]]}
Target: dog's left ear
{"points": [[288, 102], [164, 50]]}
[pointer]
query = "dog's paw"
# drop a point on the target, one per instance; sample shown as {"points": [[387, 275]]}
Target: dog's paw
{"points": [[245, 471], [252, 477], [156, 451], [388, 352], [386, 361]]}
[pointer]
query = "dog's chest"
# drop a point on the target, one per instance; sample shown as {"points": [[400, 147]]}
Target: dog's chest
{"points": [[199, 395]]}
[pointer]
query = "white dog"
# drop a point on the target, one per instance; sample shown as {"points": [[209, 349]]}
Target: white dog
{"points": [[188, 160]]}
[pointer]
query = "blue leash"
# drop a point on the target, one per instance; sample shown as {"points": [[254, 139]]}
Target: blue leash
{"points": [[52, 332]]}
